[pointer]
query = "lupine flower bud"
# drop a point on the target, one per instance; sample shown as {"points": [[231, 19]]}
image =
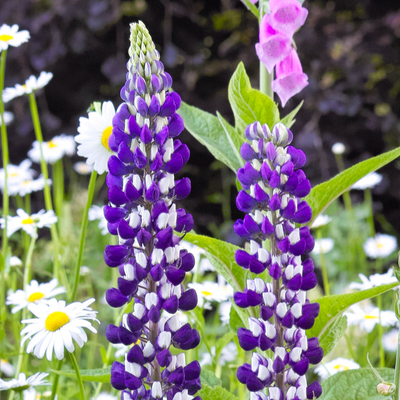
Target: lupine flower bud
{"points": [[273, 202], [142, 213]]}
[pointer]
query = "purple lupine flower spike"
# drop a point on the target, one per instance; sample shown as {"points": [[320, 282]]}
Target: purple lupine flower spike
{"points": [[274, 185], [141, 212]]}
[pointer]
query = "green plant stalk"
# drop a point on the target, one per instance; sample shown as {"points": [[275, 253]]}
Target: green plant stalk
{"points": [[27, 275], [380, 334], [56, 379], [397, 371], [251, 7], [92, 184], [45, 172], [346, 195], [58, 187], [78, 374], [325, 278], [368, 200], [109, 349], [6, 200]]}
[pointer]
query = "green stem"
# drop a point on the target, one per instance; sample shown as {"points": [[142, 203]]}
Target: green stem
{"points": [[350, 347], [380, 334], [324, 270], [6, 200], [397, 372], [251, 7], [368, 200], [27, 276], [58, 187], [56, 379], [89, 200], [45, 172], [78, 374], [346, 195]]}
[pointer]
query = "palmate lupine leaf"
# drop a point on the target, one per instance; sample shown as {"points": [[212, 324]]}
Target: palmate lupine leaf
{"points": [[355, 384], [325, 193]]}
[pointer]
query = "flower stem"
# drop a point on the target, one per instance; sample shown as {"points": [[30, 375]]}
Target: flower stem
{"points": [[45, 172], [58, 185], [397, 371], [56, 379], [251, 7], [27, 275], [380, 334], [78, 374], [89, 200], [4, 147], [368, 200]]}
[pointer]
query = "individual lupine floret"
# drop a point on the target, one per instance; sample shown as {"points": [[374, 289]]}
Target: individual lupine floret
{"points": [[273, 185], [142, 213]]}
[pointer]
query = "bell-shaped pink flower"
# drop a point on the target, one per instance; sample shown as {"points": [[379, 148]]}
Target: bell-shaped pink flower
{"points": [[273, 46], [287, 16], [290, 78]]}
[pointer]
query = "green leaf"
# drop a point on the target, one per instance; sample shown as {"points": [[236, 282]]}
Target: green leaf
{"points": [[235, 139], [215, 393], [355, 384], [223, 341], [332, 306], [90, 375], [325, 193], [208, 378], [289, 120], [238, 318], [249, 105], [331, 336], [207, 129]]}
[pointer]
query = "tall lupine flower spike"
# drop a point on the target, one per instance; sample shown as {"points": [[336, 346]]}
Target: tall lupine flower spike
{"points": [[142, 213], [273, 185]]}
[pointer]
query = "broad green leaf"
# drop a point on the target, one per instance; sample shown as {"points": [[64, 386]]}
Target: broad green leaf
{"points": [[289, 120], [249, 105], [355, 384], [215, 393], [208, 378], [207, 129], [238, 318], [235, 139], [90, 375], [325, 193], [332, 306], [331, 336]]}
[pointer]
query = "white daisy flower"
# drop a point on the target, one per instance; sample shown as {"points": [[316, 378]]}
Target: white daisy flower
{"points": [[380, 246], [17, 173], [31, 85], [208, 291], [390, 340], [53, 150], [28, 186], [15, 261], [56, 326], [94, 133], [368, 181], [33, 293], [225, 312], [338, 148], [368, 317], [335, 366], [324, 245], [104, 396], [96, 213], [373, 281], [321, 220], [6, 368], [8, 117], [82, 168], [23, 382], [29, 223], [9, 36]]}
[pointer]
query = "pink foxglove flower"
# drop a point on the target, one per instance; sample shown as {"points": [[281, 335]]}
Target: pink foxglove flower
{"points": [[287, 16], [274, 46], [290, 78]]}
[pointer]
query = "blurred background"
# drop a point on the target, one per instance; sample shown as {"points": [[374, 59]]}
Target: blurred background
{"points": [[349, 49]]}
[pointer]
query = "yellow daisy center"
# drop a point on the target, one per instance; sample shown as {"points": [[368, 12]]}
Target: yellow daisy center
{"points": [[28, 221], [370, 317], [52, 144], [105, 136], [6, 38], [379, 245], [206, 293], [35, 296], [56, 320], [341, 367], [12, 174]]}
